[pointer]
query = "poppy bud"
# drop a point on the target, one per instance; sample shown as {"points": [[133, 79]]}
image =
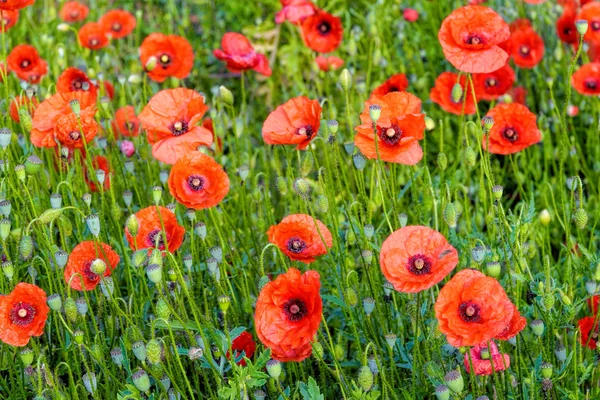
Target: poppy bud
{"points": [[565, 299], [537, 326], [26, 247], [548, 301], [349, 147], [224, 302], [162, 309], [107, 286], [360, 161], [61, 257], [141, 380], [454, 381], [82, 306], [93, 224], [351, 297], [317, 349], [274, 368], [133, 225], [368, 305], [582, 26], [580, 218], [225, 95], [561, 353], [338, 352], [442, 392], [345, 79], [154, 273], [20, 172], [302, 186], [375, 112], [442, 161], [321, 204], [365, 378], [545, 217], [89, 382], [546, 369], [333, 126], [457, 92], [157, 192], [26, 356], [590, 287], [429, 123], [8, 270], [5, 137], [154, 351], [390, 339], [450, 215], [54, 302]]}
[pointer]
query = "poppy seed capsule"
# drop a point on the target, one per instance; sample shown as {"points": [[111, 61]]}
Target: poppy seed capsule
{"points": [[8, 270], [367, 255], [107, 286], [163, 175], [375, 112], [26, 356], [497, 191], [55, 201], [5, 207], [216, 252], [157, 192], [537, 326], [365, 378], [75, 106], [93, 224], [561, 353], [360, 161], [349, 147], [139, 350], [89, 382], [141, 380], [333, 126], [582, 26], [20, 172], [54, 302], [274, 368], [165, 381], [224, 302], [590, 287], [546, 369], [442, 392], [82, 306], [116, 355], [154, 273], [493, 269], [488, 122], [61, 257], [243, 172], [368, 305], [390, 339], [454, 381], [200, 230], [369, 231], [129, 166], [5, 137]]}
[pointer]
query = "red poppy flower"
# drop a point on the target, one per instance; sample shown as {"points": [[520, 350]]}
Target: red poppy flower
{"points": [[8, 19], [396, 83], [25, 61], [239, 55], [106, 89], [515, 95], [288, 314], [79, 274], [593, 303], [492, 85], [586, 80], [410, 14], [589, 331], [415, 258], [243, 343], [472, 308], [73, 11], [15, 4], [23, 314], [171, 120], [117, 23], [150, 234], [322, 32], [75, 80], [126, 123], [470, 37], [300, 239], [22, 101], [329, 63], [525, 46], [516, 325], [93, 36], [441, 94], [172, 54], [486, 359], [296, 122], [591, 13], [54, 120], [294, 11], [565, 26], [98, 162], [399, 128], [514, 129], [197, 181]]}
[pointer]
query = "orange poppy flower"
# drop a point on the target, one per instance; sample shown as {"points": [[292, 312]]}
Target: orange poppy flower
{"points": [[23, 314], [75, 80], [239, 55], [396, 83], [591, 13], [472, 308], [441, 94], [514, 129], [399, 128], [25, 61], [329, 63], [300, 239], [470, 37], [93, 36], [126, 123], [22, 101], [525, 46], [296, 122], [78, 271], [98, 162], [173, 54], [415, 258], [494, 84], [322, 32], [118, 23], [565, 26], [288, 314], [54, 120], [8, 19], [493, 362], [15, 4], [73, 11], [150, 234], [586, 80], [171, 120], [588, 327], [516, 325], [197, 181], [294, 11]]}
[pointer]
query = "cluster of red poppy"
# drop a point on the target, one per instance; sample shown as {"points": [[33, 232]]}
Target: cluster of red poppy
{"points": [[588, 326]]}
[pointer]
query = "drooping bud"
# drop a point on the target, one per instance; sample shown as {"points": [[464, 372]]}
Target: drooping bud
{"points": [[365, 378], [345, 79], [457, 92], [225, 95]]}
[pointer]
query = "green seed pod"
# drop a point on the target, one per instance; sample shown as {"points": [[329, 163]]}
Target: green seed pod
{"points": [[224, 302], [8, 270], [139, 350], [450, 215], [537, 326], [442, 392], [351, 297], [71, 308], [26, 356], [154, 351], [470, 157], [33, 164], [154, 273], [454, 381], [281, 185], [365, 378], [26, 247], [580, 218], [442, 161], [225, 95], [274, 368], [141, 380], [54, 302], [390, 339], [546, 369]]}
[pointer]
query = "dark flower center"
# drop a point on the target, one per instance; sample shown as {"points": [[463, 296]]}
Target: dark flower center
{"points": [[295, 310], [390, 135], [469, 311], [510, 134], [324, 28], [195, 182], [393, 89], [25, 63], [89, 274], [155, 238], [595, 25], [591, 84], [179, 127], [296, 245], [22, 314], [567, 31], [94, 42], [419, 264], [116, 27], [491, 82], [165, 60], [474, 40], [524, 50], [305, 131], [75, 135]]}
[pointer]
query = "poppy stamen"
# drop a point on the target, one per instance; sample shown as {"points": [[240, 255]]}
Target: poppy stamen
{"points": [[94, 42], [595, 25], [390, 135], [591, 84], [524, 50], [510, 134], [165, 60], [324, 28], [296, 245], [155, 238], [474, 40], [491, 82], [75, 135], [305, 131], [469, 311], [195, 182], [22, 314], [89, 274], [179, 127], [419, 264], [25, 63], [116, 27], [295, 310]]}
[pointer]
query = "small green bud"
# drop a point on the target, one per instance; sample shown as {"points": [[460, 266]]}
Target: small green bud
{"points": [[351, 297], [26, 356], [365, 378], [546, 369], [470, 156], [71, 308], [450, 215], [154, 351], [442, 161], [545, 217], [318, 351], [345, 79], [26, 247], [225, 95], [580, 218], [457, 93]]}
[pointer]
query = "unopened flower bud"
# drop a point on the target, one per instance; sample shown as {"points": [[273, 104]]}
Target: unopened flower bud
{"points": [[457, 93], [365, 378], [225, 95], [345, 79]]}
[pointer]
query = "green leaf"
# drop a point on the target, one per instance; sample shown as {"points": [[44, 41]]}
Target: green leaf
{"points": [[176, 325]]}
